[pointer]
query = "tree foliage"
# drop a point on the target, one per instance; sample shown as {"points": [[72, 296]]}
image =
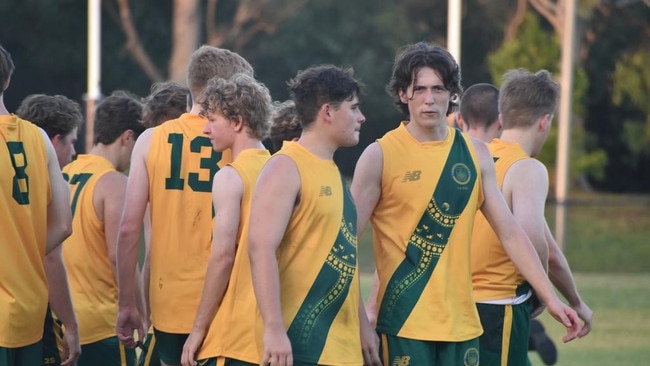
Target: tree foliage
{"points": [[536, 48], [143, 42]]}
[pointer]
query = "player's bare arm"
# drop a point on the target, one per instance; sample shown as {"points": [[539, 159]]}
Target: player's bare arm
{"points": [[274, 199], [525, 188], [227, 192], [366, 190], [59, 216], [562, 278], [136, 198], [518, 246]]}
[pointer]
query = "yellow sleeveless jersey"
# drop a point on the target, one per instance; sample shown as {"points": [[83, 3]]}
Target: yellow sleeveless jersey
{"points": [[24, 196], [91, 275], [317, 261], [494, 275], [181, 164], [232, 332], [430, 192]]}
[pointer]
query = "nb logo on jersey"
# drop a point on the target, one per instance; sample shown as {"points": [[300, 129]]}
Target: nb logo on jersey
{"points": [[401, 361], [411, 176], [325, 191]]}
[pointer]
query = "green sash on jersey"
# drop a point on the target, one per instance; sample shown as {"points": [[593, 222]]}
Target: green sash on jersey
{"points": [[429, 238], [309, 328]]}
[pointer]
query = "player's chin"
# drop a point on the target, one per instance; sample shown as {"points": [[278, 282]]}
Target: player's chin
{"points": [[350, 140]]}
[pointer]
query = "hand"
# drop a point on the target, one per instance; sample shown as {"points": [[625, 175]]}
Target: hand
{"points": [[587, 316], [128, 321], [191, 347], [567, 316], [71, 348], [370, 346], [277, 349]]}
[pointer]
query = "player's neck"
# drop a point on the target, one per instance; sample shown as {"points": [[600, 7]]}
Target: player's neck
{"points": [[3, 109], [318, 144], [244, 143]]}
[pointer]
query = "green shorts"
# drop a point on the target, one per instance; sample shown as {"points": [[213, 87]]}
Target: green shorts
{"points": [[170, 346], [223, 361], [109, 351], [149, 354], [506, 329], [52, 340], [398, 351], [22, 356]]}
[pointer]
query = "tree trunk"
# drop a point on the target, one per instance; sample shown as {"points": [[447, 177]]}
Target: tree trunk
{"points": [[185, 37]]}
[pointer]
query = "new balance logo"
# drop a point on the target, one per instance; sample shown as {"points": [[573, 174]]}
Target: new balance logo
{"points": [[411, 176], [325, 191], [401, 361]]}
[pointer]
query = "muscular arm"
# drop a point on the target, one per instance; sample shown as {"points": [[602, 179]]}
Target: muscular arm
{"points": [[59, 215], [227, 191], [136, 198], [525, 188], [274, 199], [518, 246], [562, 278], [366, 190]]}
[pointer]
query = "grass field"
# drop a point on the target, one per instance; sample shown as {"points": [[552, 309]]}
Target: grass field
{"points": [[607, 244]]}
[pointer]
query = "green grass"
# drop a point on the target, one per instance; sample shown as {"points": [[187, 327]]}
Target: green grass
{"points": [[621, 332], [609, 236]]}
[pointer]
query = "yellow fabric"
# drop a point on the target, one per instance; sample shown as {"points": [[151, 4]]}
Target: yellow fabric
{"points": [[181, 219], [445, 311], [494, 275], [232, 332], [305, 248], [23, 287], [91, 275]]}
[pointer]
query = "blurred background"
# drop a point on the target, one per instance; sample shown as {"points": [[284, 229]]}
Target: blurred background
{"points": [[147, 41], [604, 225]]}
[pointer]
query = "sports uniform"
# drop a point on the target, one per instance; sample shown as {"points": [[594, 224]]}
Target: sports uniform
{"points": [[24, 196], [232, 332], [181, 164], [430, 192], [500, 291], [91, 275], [317, 262]]}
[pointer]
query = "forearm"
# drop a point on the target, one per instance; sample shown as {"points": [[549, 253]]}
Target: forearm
{"points": [[371, 304], [527, 262], [59, 291], [266, 284], [127, 259], [561, 276]]}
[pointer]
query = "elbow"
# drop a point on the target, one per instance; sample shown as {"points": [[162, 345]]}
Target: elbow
{"points": [[64, 230]]}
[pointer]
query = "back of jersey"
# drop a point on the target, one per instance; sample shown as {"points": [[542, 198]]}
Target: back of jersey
{"points": [[181, 165], [24, 196]]}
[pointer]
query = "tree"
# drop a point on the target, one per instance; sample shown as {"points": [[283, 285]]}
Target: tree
{"points": [[535, 48], [235, 27]]}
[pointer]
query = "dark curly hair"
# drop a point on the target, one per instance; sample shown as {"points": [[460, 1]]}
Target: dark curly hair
{"points": [[414, 57], [56, 114], [286, 124], [317, 85]]}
